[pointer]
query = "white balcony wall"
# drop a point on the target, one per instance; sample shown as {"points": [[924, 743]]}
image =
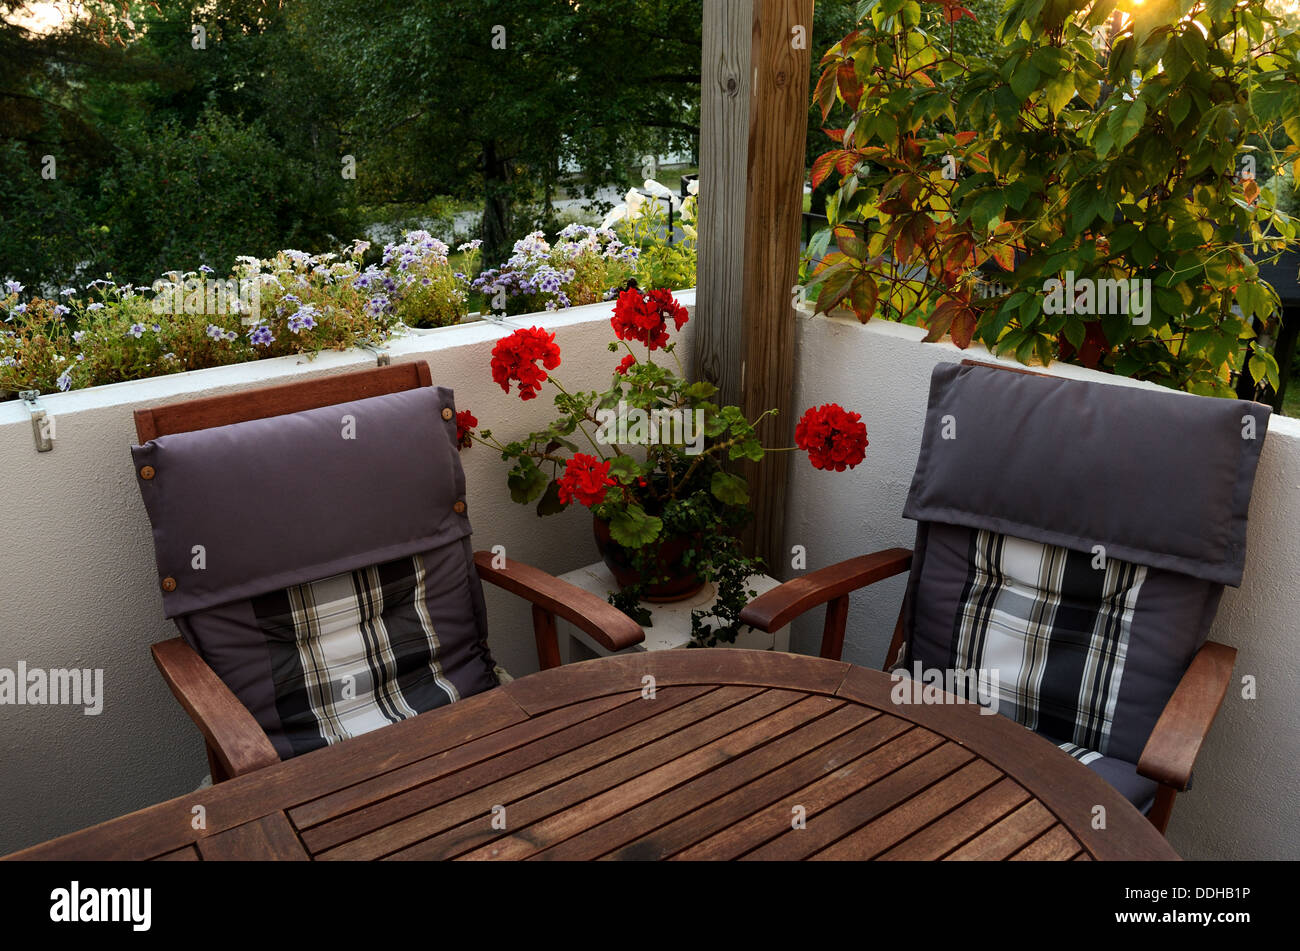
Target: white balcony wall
{"points": [[78, 583], [1242, 804]]}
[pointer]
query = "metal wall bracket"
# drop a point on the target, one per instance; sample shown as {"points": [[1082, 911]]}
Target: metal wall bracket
{"points": [[42, 422], [382, 357]]}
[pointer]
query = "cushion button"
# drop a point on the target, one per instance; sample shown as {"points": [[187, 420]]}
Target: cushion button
{"points": [[459, 508], [146, 472], [169, 584], [447, 412]]}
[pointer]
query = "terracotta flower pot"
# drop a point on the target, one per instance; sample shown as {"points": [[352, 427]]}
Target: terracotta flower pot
{"points": [[669, 553]]}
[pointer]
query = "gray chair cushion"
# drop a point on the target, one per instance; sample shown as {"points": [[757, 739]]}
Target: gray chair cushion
{"points": [[1159, 478], [1123, 776], [1080, 654], [337, 592]]}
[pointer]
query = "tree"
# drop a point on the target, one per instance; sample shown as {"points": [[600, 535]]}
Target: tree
{"points": [[494, 98], [1072, 158]]}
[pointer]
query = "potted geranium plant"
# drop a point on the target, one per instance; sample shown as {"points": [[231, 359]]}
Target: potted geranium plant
{"points": [[651, 458]]}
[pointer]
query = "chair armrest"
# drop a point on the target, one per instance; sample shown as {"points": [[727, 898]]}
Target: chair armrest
{"points": [[778, 607], [609, 626], [234, 736], [1172, 747]]}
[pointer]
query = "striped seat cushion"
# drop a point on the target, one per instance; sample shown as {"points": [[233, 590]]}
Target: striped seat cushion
{"points": [[322, 662], [1084, 649]]}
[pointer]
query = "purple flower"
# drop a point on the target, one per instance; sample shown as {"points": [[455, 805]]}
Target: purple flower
{"points": [[261, 336], [303, 320], [77, 335], [205, 269], [136, 331], [215, 332], [13, 287], [59, 310], [64, 381], [97, 306]]}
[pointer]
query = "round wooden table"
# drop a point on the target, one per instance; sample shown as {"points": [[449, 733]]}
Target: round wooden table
{"points": [[685, 754], [764, 755]]}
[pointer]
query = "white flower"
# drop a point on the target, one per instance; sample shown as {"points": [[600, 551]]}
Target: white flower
{"points": [[693, 187], [656, 189], [635, 202], [617, 214]]}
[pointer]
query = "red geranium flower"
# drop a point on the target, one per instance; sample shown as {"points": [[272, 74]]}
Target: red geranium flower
{"points": [[627, 363], [465, 422], [644, 317], [585, 478], [515, 358], [833, 437]]}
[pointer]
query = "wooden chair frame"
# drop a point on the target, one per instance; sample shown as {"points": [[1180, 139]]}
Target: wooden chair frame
{"points": [[1171, 750], [236, 743]]}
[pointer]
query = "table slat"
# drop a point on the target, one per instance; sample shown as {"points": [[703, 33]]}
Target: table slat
{"points": [[527, 841], [1056, 844], [1010, 833], [911, 761], [269, 838], [691, 803], [960, 823], [563, 789], [406, 790]]}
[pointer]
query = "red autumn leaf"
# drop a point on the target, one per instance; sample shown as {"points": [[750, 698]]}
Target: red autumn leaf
{"points": [[961, 251], [823, 164], [1005, 255], [825, 94], [846, 163], [850, 86], [963, 327], [836, 135], [923, 230], [862, 297]]}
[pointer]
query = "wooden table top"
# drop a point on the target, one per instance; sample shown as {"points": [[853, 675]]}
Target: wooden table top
{"points": [[580, 762]]}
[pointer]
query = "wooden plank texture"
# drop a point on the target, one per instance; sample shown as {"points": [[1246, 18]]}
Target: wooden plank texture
{"points": [[270, 838], [724, 138], [449, 826], [738, 754], [689, 799], [778, 124]]}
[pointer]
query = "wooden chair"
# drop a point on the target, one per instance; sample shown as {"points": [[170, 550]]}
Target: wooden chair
{"points": [[1172, 747], [236, 743]]}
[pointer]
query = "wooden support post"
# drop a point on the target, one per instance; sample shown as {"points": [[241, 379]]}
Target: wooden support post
{"points": [[724, 149], [754, 122], [778, 129]]}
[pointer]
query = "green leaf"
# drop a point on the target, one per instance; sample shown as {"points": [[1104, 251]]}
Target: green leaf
{"points": [[550, 503], [1024, 80], [729, 489], [633, 528], [526, 481], [624, 469], [1126, 121], [699, 391], [1060, 90]]}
